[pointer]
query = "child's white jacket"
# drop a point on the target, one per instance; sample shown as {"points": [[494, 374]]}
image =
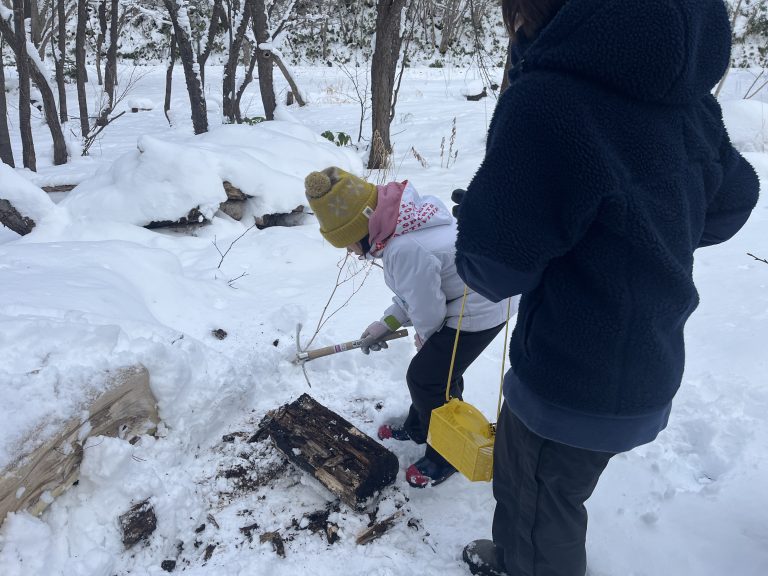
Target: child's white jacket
{"points": [[420, 268]]}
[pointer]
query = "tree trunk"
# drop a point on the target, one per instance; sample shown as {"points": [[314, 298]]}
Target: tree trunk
{"points": [[383, 70], [188, 61], [82, 78], [289, 78], [19, 46], [507, 67], [102, 12], [213, 30], [110, 73], [244, 84], [22, 65], [169, 78], [6, 152], [231, 110], [61, 42], [264, 59]]}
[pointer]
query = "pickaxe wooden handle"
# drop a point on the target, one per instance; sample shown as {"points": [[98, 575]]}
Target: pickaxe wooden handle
{"points": [[309, 355]]}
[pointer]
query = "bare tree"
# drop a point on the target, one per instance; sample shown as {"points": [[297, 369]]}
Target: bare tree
{"points": [[264, 59], [230, 103], [383, 70], [452, 17], [177, 9], [33, 68], [59, 50], [80, 63], [110, 72], [169, 78], [6, 152], [218, 18], [22, 65]]}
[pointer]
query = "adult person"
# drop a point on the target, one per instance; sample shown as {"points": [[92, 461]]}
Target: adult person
{"points": [[607, 165], [415, 239]]}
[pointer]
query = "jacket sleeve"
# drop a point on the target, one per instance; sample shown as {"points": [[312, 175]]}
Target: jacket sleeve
{"points": [[535, 194], [416, 282], [734, 201]]}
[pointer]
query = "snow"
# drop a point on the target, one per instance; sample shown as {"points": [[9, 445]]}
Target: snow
{"points": [[163, 180], [28, 199], [89, 291]]}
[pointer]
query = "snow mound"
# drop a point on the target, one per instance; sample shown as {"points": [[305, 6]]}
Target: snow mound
{"points": [[747, 122], [163, 180], [27, 198]]}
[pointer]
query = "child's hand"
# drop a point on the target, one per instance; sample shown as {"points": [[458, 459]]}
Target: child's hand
{"points": [[373, 337]]}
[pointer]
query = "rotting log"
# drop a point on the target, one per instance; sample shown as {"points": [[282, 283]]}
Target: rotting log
{"points": [[126, 410], [352, 465], [13, 219]]}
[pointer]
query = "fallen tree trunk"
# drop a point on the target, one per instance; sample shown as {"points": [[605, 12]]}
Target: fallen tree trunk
{"points": [[349, 463]]}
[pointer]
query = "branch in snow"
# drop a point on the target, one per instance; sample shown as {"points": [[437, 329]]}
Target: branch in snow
{"points": [[758, 259]]}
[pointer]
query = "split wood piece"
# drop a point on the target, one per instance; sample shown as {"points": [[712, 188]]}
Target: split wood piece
{"points": [[378, 529], [349, 463], [126, 410], [138, 524]]}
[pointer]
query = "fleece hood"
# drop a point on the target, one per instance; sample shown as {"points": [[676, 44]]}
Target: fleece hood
{"points": [[661, 51]]}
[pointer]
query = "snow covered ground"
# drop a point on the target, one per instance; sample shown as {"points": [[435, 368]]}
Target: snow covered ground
{"points": [[90, 290]]}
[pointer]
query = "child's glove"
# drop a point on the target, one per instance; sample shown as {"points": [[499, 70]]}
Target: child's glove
{"points": [[456, 197], [373, 337]]}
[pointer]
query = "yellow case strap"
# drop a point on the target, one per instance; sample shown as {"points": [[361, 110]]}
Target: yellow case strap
{"points": [[456, 347]]}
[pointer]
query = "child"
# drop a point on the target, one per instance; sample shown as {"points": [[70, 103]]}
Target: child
{"points": [[414, 237]]}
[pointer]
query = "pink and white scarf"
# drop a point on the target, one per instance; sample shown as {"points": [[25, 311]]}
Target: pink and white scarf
{"points": [[401, 210]]}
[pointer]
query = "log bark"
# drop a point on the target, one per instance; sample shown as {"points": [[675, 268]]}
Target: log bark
{"points": [[6, 152], [13, 219], [350, 464], [126, 410]]}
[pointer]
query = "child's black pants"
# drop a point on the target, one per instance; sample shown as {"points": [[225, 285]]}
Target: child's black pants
{"points": [[427, 376]]}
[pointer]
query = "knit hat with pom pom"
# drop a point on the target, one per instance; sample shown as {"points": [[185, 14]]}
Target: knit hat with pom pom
{"points": [[343, 204]]}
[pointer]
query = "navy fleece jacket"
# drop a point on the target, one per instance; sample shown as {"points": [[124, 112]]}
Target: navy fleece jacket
{"points": [[607, 165]]}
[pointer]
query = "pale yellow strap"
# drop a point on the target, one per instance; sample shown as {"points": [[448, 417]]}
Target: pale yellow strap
{"points": [[455, 347], [504, 358]]}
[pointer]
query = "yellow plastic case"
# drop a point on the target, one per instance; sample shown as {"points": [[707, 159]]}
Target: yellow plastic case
{"points": [[464, 437]]}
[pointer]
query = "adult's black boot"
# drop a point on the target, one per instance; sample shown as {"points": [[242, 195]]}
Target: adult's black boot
{"points": [[484, 558]]}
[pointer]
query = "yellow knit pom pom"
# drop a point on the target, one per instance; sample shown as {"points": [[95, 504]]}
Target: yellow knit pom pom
{"points": [[317, 185]]}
